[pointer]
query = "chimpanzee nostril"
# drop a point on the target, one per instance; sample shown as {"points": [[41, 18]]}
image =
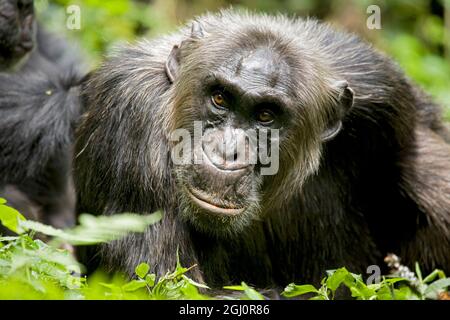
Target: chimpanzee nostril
{"points": [[226, 148]]}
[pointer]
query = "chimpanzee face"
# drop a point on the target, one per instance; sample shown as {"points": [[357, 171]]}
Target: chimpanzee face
{"points": [[17, 31], [240, 124]]}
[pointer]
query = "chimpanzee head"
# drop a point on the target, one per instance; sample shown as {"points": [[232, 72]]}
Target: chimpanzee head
{"points": [[17, 32], [244, 97]]}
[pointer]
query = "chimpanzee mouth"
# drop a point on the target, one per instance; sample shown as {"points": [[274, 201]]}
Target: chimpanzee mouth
{"points": [[24, 47], [210, 204]]}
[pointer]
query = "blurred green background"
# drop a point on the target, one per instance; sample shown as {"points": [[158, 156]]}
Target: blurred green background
{"points": [[416, 33]]}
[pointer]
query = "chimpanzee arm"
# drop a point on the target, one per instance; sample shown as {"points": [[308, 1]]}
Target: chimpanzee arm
{"points": [[426, 181]]}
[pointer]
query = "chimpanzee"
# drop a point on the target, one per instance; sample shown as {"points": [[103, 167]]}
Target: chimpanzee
{"points": [[39, 108], [361, 165]]}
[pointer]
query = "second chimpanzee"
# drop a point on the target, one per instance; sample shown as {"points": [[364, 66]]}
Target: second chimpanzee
{"points": [[39, 107]]}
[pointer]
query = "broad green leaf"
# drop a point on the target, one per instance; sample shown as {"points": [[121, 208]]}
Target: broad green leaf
{"points": [[150, 279], [338, 277], [362, 292], [142, 270], [404, 293], [191, 292], [384, 293], [251, 293], [10, 217], [436, 287]]}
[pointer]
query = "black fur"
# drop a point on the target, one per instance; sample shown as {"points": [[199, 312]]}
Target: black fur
{"points": [[38, 115], [39, 108]]}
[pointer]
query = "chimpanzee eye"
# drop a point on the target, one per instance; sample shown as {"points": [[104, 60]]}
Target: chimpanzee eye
{"points": [[218, 99], [265, 116], [25, 4]]}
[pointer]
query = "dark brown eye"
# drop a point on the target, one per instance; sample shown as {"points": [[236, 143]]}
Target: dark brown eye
{"points": [[219, 99], [265, 116], [22, 4]]}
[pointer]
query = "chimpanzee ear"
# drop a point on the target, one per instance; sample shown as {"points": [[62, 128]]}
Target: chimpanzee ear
{"points": [[345, 102], [345, 97], [173, 63]]}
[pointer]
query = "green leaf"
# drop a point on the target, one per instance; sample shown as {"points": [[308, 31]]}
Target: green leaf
{"points": [[436, 287], [97, 229], [251, 293], [433, 275], [293, 290], [10, 217], [110, 286], [134, 285], [418, 272], [404, 293], [7, 239], [142, 270], [338, 277], [384, 293], [361, 291], [194, 283], [150, 279], [392, 280], [44, 229], [191, 292], [235, 288]]}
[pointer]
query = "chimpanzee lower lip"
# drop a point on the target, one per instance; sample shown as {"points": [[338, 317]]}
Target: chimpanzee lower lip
{"points": [[210, 207], [26, 46], [19, 50]]}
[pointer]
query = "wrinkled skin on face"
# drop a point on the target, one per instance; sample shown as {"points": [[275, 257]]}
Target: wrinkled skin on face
{"points": [[17, 32], [254, 88]]}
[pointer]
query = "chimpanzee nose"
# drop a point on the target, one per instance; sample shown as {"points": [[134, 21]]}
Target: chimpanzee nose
{"points": [[26, 35], [227, 148]]}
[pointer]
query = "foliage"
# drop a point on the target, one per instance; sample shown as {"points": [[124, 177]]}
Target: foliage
{"points": [[92, 230], [29, 268], [389, 288], [32, 269], [102, 22]]}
